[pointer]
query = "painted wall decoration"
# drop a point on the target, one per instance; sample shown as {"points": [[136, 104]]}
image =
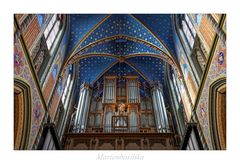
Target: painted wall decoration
{"points": [[59, 89], [165, 33], [22, 71], [122, 24], [41, 19], [55, 71], [121, 47], [216, 71], [81, 24], [152, 68], [90, 68]]}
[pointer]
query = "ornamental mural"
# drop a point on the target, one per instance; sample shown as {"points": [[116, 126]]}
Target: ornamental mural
{"points": [[23, 72], [216, 71]]}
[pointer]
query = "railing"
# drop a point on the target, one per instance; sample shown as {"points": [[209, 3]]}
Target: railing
{"points": [[111, 129], [130, 129]]}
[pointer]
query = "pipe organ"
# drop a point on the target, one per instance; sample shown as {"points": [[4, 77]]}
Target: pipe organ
{"points": [[82, 109], [117, 107], [161, 118], [121, 105]]}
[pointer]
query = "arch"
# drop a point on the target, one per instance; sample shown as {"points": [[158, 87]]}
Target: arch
{"points": [[154, 34], [22, 114], [217, 113], [77, 56], [120, 36], [120, 59]]}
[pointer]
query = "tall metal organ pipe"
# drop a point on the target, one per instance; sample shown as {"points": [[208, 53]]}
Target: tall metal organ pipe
{"points": [[156, 111], [165, 112], [133, 91], [83, 107], [160, 110], [109, 91]]}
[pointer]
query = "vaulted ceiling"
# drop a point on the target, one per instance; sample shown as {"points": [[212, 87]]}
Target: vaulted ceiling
{"points": [[142, 42]]}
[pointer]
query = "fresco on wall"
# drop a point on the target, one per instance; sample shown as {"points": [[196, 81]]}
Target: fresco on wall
{"points": [[22, 72], [216, 71], [41, 19]]}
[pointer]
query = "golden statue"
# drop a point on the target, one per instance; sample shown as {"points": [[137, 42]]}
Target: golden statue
{"points": [[121, 108]]}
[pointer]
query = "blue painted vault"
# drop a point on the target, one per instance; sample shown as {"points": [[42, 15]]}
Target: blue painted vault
{"points": [[121, 43]]}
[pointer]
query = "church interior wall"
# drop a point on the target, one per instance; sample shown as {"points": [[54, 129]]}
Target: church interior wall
{"points": [[46, 95], [216, 71], [23, 72]]}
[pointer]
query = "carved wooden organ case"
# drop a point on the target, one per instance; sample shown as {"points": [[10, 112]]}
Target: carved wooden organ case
{"points": [[117, 106]]}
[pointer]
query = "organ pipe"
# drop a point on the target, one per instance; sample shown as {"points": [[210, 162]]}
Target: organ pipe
{"points": [[77, 113], [83, 106], [165, 113], [160, 110], [155, 107], [109, 91], [108, 121], [133, 91], [160, 107], [84, 116], [81, 111]]}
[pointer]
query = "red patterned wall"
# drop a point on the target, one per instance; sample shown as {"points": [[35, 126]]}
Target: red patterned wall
{"points": [[31, 32], [207, 31]]}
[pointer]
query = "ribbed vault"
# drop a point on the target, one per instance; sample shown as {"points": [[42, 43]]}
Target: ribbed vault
{"points": [[142, 42]]}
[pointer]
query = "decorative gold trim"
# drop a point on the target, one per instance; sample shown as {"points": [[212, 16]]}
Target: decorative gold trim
{"points": [[88, 33], [150, 31], [132, 39], [77, 58], [121, 36], [151, 55]]}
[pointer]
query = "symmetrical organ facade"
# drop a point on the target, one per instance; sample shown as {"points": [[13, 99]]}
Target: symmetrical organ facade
{"points": [[117, 107]]}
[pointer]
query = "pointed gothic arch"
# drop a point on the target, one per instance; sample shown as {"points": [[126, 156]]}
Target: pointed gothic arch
{"points": [[22, 114], [217, 113]]}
